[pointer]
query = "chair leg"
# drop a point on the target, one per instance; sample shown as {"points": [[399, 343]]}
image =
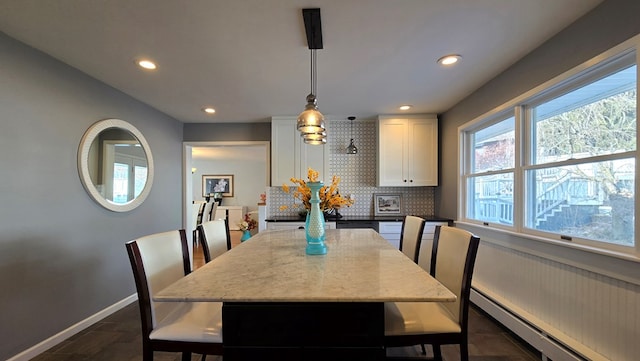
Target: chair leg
{"points": [[186, 356], [147, 354], [195, 238], [464, 351], [204, 357], [424, 350], [437, 354]]}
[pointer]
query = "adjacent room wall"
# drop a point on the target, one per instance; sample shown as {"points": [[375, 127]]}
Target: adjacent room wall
{"points": [[586, 301], [62, 256], [247, 164]]}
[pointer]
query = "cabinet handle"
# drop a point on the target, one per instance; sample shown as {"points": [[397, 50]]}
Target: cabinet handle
{"points": [[301, 227], [411, 181], [405, 181]]}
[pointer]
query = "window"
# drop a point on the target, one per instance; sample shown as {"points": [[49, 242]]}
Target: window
{"points": [[128, 175], [574, 175], [490, 177]]}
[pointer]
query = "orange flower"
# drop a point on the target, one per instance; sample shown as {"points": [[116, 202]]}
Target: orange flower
{"points": [[330, 198]]}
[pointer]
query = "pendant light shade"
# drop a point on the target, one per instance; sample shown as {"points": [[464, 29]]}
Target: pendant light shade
{"points": [[351, 149], [311, 122], [315, 138]]}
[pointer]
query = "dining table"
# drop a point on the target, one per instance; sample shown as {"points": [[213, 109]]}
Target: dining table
{"points": [[280, 303]]}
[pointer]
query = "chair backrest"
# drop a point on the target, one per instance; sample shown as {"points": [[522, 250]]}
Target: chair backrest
{"points": [[206, 213], [195, 214], [200, 211], [216, 238], [157, 261], [411, 236], [214, 209], [452, 260]]}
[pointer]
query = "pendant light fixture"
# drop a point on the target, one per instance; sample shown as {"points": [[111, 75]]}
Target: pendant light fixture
{"points": [[311, 122], [351, 149]]}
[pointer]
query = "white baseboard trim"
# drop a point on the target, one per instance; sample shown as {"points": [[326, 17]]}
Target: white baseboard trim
{"points": [[41, 347], [531, 334]]}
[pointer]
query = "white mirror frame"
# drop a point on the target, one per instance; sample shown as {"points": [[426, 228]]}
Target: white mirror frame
{"points": [[83, 164]]}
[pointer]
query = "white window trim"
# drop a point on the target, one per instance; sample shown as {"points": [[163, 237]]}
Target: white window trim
{"points": [[522, 153]]}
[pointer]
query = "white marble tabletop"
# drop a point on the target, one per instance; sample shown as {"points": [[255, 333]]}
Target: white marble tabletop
{"points": [[360, 266]]}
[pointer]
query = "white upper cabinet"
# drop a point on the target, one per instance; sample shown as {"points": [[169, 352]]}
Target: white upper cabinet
{"points": [[291, 157], [408, 150]]}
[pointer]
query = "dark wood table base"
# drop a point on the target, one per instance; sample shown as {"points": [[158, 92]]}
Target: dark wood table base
{"points": [[303, 331]]}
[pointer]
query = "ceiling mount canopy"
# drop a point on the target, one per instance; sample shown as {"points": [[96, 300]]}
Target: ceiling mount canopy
{"points": [[311, 121], [313, 27]]}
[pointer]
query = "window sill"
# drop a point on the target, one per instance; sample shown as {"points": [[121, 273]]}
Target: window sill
{"points": [[619, 265]]}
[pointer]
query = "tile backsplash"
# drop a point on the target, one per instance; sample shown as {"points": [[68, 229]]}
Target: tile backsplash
{"points": [[357, 174]]}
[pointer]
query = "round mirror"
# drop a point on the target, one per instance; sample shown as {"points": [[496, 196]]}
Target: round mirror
{"points": [[115, 165]]}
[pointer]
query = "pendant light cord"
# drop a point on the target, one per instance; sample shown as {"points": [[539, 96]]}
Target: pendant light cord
{"points": [[314, 70], [352, 129]]}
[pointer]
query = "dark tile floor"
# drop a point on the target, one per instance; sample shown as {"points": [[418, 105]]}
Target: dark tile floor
{"points": [[117, 337]]}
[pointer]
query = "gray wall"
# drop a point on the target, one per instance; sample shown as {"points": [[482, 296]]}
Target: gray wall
{"points": [[219, 132], [62, 256], [609, 24]]}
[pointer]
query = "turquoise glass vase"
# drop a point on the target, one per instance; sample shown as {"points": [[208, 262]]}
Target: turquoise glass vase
{"points": [[314, 226], [245, 235]]}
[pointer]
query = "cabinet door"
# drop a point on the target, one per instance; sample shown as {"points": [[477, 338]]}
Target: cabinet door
{"points": [[391, 232], [423, 152], [408, 151], [236, 215], [316, 157], [291, 157], [285, 160], [392, 149]]}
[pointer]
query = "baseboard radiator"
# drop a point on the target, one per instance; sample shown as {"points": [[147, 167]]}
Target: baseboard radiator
{"points": [[537, 338], [564, 310]]}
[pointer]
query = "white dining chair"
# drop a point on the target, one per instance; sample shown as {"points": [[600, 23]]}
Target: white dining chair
{"points": [[157, 261], [216, 238], [411, 236], [196, 214], [419, 323], [206, 214]]}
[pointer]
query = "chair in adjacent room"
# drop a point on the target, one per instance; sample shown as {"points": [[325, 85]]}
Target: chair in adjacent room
{"points": [[419, 323], [196, 215], [216, 238], [159, 260], [411, 236], [206, 213]]}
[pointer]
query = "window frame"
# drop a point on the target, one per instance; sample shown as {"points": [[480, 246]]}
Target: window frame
{"points": [[468, 175], [609, 62]]}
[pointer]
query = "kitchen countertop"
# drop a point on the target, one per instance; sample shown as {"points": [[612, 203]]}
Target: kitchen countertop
{"points": [[359, 219]]}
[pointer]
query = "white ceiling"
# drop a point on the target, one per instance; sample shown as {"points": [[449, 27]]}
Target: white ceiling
{"points": [[249, 58]]}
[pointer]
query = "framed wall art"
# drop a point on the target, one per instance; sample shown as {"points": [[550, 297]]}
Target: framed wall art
{"points": [[217, 184], [387, 204]]}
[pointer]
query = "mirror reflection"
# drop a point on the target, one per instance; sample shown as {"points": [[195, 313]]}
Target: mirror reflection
{"points": [[115, 165]]}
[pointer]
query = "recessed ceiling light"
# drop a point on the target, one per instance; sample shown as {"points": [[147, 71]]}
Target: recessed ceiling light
{"points": [[147, 64], [449, 59], [405, 107], [208, 110]]}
